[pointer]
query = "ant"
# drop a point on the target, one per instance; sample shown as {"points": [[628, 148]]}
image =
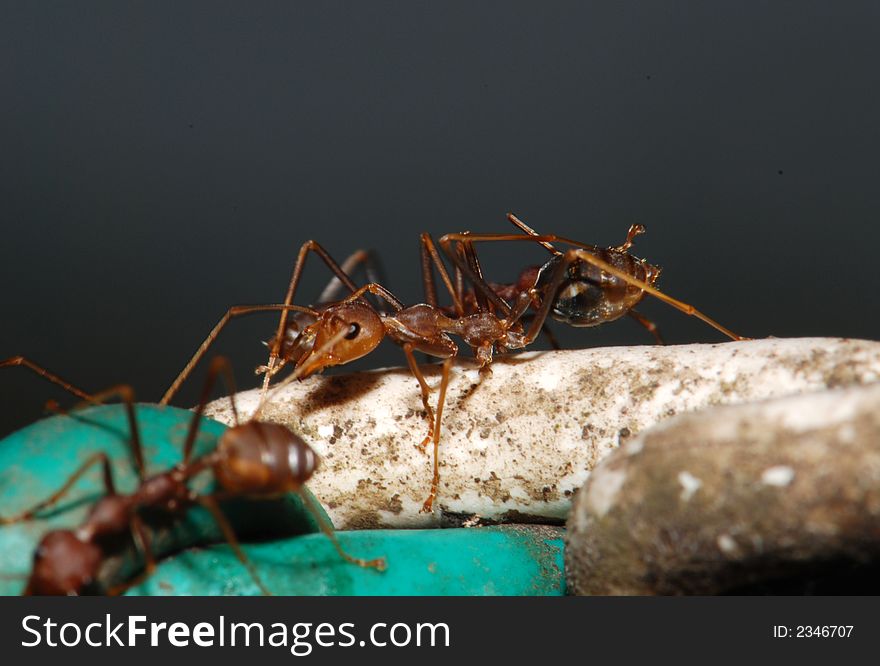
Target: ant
{"points": [[252, 459], [359, 327], [586, 290], [423, 327], [589, 286], [584, 286]]}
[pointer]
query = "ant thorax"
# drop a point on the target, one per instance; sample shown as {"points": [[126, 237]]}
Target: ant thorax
{"points": [[480, 329]]}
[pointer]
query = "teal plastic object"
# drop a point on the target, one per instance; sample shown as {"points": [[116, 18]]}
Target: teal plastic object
{"points": [[507, 560], [37, 460]]}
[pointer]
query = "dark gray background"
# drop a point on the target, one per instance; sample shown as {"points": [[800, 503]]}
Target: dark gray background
{"points": [[162, 161]]}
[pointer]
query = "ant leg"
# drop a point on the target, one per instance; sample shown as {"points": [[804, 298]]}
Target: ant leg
{"points": [[423, 385], [231, 313], [379, 563], [648, 324], [377, 290], [546, 331], [551, 337], [471, 272], [459, 277], [430, 256], [427, 270], [366, 260], [469, 255], [515, 221], [298, 372], [95, 458], [126, 394], [42, 372], [218, 364], [634, 230], [525, 298], [142, 543], [211, 505], [435, 481], [459, 280]]}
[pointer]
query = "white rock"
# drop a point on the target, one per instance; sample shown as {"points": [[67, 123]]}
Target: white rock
{"points": [[781, 498], [524, 438]]}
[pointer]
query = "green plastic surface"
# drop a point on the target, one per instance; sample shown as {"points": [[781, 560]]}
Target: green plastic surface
{"points": [[507, 560], [36, 461]]}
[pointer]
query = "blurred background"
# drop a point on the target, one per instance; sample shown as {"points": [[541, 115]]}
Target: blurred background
{"points": [[160, 162]]}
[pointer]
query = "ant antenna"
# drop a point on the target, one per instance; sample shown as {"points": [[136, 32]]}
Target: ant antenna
{"points": [[52, 377]]}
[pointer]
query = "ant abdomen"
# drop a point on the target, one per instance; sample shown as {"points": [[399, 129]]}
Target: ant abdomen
{"points": [[263, 459], [587, 296]]}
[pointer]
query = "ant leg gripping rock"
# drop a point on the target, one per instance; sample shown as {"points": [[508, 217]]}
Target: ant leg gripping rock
{"points": [[517, 444]]}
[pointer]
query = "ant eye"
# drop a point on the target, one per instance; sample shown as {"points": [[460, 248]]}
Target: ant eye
{"points": [[353, 331]]}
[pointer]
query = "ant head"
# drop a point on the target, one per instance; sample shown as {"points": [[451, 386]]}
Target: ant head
{"points": [[363, 332], [263, 459], [64, 565], [651, 273]]}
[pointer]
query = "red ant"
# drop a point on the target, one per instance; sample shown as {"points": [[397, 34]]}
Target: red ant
{"points": [[252, 459], [584, 286], [589, 286], [360, 326]]}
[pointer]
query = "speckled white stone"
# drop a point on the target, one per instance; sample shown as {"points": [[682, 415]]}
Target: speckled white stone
{"points": [[523, 438], [767, 486]]}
